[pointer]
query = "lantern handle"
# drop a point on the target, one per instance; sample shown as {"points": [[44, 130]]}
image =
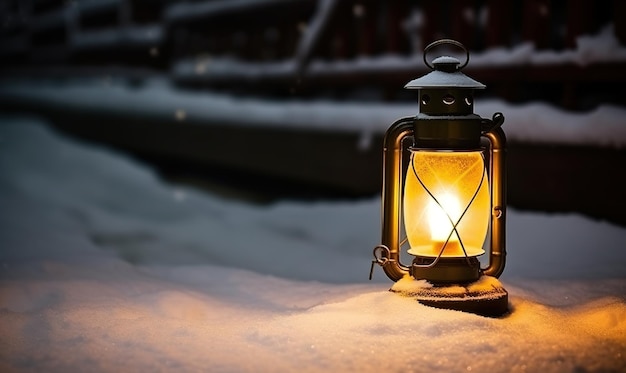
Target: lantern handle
{"points": [[490, 125], [446, 41], [381, 257], [391, 194]]}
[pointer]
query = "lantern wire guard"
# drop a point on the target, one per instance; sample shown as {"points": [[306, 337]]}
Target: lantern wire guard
{"points": [[449, 275]]}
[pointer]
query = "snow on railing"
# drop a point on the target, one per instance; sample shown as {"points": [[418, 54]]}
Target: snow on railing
{"points": [[95, 6], [206, 42], [132, 36], [180, 12], [157, 100], [600, 48]]}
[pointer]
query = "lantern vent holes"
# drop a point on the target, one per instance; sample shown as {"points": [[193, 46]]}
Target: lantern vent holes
{"points": [[448, 99]]}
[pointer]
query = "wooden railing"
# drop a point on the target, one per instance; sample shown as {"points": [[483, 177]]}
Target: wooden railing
{"points": [[309, 48], [523, 50]]}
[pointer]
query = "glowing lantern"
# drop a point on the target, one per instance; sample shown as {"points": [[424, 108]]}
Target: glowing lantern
{"points": [[444, 179]]}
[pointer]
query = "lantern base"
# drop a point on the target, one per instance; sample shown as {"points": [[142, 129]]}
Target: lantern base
{"points": [[485, 297], [447, 270]]}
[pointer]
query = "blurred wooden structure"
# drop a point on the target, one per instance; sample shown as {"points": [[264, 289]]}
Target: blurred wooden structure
{"points": [[334, 49], [306, 47]]}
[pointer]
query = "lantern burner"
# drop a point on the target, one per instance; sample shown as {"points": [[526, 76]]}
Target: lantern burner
{"points": [[442, 271]]}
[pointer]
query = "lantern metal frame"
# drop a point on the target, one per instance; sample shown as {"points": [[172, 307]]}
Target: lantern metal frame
{"points": [[387, 254], [461, 127]]}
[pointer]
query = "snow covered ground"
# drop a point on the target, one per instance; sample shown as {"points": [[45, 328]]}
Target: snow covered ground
{"points": [[106, 268]]}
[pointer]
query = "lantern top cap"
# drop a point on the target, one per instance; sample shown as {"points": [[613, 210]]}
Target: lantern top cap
{"points": [[446, 71], [446, 63]]}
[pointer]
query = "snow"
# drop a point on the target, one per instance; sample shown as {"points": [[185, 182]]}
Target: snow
{"points": [[534, 122], [104, 267], [124, 37], [226, 68], [198, 10], [603, 47]]}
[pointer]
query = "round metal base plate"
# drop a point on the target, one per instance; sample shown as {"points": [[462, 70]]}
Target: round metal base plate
{"points": [[485, 297]]}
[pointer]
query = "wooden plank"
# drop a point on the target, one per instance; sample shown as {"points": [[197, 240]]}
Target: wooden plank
{"points": [[499, 27], [463, 22], [536, 23], [579, 20], [433, 26], [619, 20], [395, 36], [365, 19]]}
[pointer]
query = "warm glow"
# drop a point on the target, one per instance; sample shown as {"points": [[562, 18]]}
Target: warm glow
{"points": [[453, 179], [440, 217]]}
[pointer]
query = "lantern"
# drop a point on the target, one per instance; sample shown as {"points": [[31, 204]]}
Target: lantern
{"points": [[444, 195]]}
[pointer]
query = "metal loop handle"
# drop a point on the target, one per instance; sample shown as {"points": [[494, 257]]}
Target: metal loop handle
{"points": [[446, 41], [498, 119], [381, 257], [489, 125]]}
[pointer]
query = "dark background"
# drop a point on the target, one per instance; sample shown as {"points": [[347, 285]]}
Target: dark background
{"points": [[184, 42]]}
